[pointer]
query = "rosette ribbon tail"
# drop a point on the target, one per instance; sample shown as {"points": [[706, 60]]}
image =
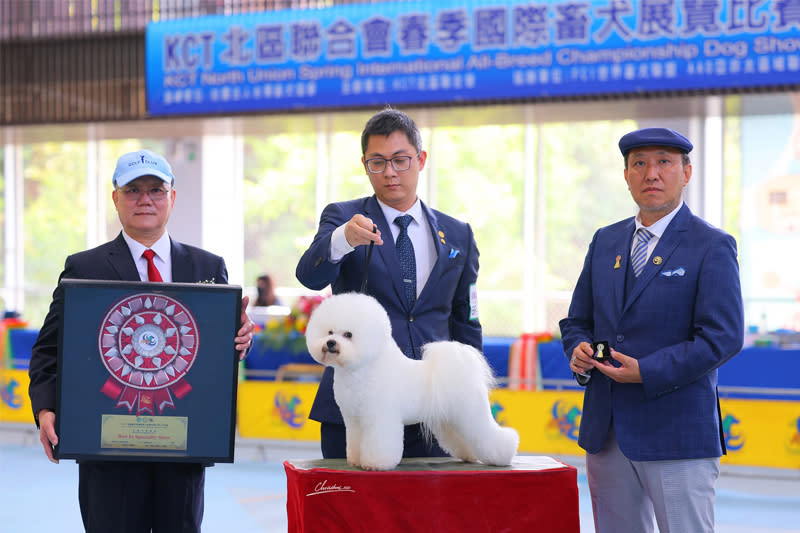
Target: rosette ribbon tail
{"points": [[144, 402]]}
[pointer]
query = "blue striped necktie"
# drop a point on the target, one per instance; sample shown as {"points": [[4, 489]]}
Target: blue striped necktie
{"points": [[408, 262], [639, 252]]}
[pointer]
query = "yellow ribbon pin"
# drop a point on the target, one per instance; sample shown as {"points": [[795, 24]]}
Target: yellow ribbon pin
{"points": [[616, 265]]}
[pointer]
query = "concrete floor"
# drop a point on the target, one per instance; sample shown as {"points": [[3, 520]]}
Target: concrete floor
{"points": [[249, 496]]}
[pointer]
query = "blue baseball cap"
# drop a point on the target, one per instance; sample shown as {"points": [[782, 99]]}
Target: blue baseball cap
{"points": [[141, 163], [654, 137]]}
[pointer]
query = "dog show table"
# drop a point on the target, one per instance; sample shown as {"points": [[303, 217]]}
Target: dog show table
{"points": [[535, 493]]}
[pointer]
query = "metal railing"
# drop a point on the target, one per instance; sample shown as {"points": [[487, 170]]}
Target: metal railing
{"points": [[36, 19], [83, 60]]}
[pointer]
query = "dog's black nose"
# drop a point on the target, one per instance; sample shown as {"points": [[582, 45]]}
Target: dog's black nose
{"points": [[331, 344]]}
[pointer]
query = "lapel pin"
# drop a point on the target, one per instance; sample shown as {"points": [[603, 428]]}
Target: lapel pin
{"points": [[616, 265], [657, 260], [441, 236]]}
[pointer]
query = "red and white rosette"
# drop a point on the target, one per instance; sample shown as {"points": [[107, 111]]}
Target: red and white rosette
{"points": [[148, 342]]}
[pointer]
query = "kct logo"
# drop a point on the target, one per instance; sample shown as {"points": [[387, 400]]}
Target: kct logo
{"points": [[149, 340]]}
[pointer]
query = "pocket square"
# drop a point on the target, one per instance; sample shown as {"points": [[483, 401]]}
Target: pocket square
{"points": [[453, 253], [680, 271]]}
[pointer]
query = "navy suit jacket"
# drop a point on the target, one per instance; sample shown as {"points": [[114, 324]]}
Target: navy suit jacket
{"points": [[682, 318], [109, 261], [441, 312]]}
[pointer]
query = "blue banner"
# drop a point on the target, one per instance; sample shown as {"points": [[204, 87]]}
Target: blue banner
{"points": [[467, 50]]}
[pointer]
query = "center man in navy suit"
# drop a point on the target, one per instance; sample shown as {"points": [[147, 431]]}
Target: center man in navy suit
{"points": [[662, 289], [434, 301]]}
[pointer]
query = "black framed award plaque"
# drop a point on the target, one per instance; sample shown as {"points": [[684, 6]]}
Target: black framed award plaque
{"points": [[147, 371]]}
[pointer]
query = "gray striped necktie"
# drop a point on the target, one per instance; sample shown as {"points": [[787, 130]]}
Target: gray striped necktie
{"points": [[639, 252]]}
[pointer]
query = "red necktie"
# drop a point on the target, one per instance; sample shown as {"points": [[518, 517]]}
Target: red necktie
{"points": [[152, 272]]}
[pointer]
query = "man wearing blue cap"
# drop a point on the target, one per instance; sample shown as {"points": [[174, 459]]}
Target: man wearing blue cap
{"points": [[134, 497], [662, 289]]}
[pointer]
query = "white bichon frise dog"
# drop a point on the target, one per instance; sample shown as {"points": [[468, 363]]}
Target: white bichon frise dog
{"points": [[379, 390]]}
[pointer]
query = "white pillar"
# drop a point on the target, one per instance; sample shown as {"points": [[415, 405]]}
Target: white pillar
{"points": [[14, 225], [534, 302], [96, 196], [209, 183], [713, 162]]}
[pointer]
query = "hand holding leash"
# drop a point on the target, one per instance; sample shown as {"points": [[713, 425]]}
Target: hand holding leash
{"points": [[366, 262]]}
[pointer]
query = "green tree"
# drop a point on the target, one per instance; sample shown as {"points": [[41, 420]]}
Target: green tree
{"points": [[54, 217], [279, 188]]}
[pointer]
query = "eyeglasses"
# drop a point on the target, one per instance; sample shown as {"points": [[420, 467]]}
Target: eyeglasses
{"points": [[376, 165], [134, 194]]}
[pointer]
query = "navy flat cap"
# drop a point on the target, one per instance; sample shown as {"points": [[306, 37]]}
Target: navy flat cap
{"points": [[654, 137]]}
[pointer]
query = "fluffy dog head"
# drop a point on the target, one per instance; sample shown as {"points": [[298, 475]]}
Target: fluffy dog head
{"points": [[347, 328]]}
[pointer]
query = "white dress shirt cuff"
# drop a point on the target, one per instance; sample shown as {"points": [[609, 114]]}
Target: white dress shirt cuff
{"points": [[339, 245]]}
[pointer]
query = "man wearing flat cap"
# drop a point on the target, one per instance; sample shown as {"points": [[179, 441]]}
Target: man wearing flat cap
{"points": [[662, 288], [119, 496]]}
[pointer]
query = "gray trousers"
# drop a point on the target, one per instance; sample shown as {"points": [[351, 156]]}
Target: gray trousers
{"points": [[627, 495]]}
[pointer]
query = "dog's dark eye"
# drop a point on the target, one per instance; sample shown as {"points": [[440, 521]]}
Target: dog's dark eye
{"points": [[347, 335], [330, 332]]}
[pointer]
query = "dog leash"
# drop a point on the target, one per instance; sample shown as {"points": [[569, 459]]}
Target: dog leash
{"points": [[366, 262]]}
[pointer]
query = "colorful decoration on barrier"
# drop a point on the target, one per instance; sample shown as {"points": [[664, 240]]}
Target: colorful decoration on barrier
{"points": [[497, 409], [793, 444], [9, 394], [288, 409], [733, 439], [566, 418], [15, 404], [276, 410]]}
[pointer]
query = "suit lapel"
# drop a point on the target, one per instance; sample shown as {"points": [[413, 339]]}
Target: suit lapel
{"points": [[181, 263], [121, 260], [664, 248], [442, 256], [387, 252], [622, 247]]}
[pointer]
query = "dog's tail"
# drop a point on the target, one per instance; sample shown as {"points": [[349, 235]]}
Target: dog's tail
{"points": [[454, 371], [456, 365], [459, 413]]}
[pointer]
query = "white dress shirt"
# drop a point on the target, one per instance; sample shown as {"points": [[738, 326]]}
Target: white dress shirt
{"points": [[657, 229], [162, 259]]}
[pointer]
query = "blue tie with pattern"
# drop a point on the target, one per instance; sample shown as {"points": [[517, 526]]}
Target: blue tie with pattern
{"points": [[639, 252], [408, 263]]}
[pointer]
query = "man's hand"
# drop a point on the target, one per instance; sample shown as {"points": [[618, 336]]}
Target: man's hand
{"points": [[628, 372], [47, 432], [244, 338], [581, 361], [358, 231]]}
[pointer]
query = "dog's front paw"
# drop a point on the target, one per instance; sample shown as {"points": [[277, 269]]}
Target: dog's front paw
{"points": [[379, 464], [377, 468]]}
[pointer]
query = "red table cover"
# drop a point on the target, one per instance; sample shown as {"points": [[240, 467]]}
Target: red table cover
{"points": [[535, 493]]}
